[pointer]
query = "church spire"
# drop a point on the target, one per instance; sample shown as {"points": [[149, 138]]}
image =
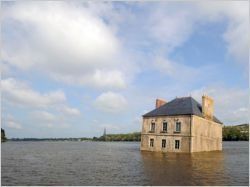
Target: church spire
{"points": [[104, 133]]}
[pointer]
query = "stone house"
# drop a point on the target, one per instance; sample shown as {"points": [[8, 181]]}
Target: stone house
{"points": [[182, 125]]}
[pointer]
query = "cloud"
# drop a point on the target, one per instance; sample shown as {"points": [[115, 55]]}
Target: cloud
{"points": [[44, 119], [174, 29], [19, 93], [70, 111], [5, 69], [13, 125], [65, 40], [53, 119], [110, 102], [180, 23], [43, 116], [237, 31], [99, 45], [174, 69], [238, 41], [231, 104], [10, 122], [99, 79], [91, 51]]}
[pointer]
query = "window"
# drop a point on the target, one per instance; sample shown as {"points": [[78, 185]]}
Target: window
{"points": [[163, 143], [152, 126], [165, 126], [151, 143], [177, 144], [178, 127]]}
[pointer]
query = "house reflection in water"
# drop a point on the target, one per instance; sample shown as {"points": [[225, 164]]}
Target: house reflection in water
{"points": [[206, 168]]}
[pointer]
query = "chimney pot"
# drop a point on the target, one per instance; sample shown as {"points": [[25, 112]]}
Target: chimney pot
{"points": [[159, 103]]}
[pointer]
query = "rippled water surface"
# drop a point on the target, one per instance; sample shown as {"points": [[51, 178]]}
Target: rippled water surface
{"points": [[119, 163]]}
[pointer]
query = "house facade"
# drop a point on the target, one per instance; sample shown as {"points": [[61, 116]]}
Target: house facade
{"points": [[182, 125]]}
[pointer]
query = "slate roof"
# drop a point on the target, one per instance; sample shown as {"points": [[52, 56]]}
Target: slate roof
{"points": [[179, 106]]}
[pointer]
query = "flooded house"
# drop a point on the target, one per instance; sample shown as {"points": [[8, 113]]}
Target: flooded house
{"points": [[182, 125]]}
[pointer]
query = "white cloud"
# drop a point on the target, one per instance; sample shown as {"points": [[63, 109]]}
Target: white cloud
{"points": [[89, 52], [110, 102], [171, 29], [231, 104], [238, 41], [52, 119], [175, 70], [14, 125], [70, 111], [180, 22], [5, 69], [97, 79], [67, 41], [75, 44], [237, 32], [19, 93], [43, 116], [51, 108], [10, 122]]}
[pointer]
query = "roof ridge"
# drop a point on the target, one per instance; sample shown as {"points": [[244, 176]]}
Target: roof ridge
{"points": [[182, 97]]}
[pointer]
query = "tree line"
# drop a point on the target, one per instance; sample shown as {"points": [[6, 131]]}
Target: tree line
{"points": [[136, 136], [229, 133], [236, 133]]}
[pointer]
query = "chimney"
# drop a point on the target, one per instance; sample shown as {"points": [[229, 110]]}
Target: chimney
{"points": [[159, 103], [207, 107]]}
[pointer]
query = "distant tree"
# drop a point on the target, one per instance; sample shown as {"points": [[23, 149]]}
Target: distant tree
{"points": [[3, 137]]}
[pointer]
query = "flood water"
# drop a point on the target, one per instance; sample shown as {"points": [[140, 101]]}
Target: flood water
{"points": [[119, 163]]}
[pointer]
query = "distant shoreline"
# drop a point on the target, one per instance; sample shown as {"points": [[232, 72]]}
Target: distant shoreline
{"points": [[230, 133]]}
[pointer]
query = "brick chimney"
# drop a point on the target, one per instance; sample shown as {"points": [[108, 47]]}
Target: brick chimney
{"points": [[159, 102], [207, 107]]}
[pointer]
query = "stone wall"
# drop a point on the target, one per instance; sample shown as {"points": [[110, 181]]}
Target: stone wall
{"points": [[171, 120], [170, 136], [197, 134], [206, 135], [170, 143]]}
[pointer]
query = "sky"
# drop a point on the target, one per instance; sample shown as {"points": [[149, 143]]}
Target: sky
{"points": [[72, 68]]}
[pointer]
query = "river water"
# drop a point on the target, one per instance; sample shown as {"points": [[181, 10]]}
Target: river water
{"points": [[119, 163]]}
